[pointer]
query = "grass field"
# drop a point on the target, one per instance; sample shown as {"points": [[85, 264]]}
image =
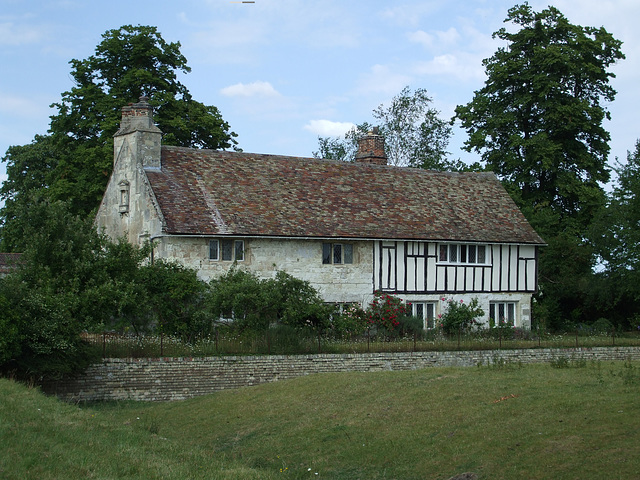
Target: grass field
{"points": [[581, 421]]}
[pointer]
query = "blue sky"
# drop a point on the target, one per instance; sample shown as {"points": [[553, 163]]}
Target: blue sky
{"points": [[283, 72]]}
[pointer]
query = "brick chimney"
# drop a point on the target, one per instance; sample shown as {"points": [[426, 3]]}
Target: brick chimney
{"points": [[138, 131], [371, 149]]}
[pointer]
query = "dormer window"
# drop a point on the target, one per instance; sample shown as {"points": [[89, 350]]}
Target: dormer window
{"points": [[124, 196]]}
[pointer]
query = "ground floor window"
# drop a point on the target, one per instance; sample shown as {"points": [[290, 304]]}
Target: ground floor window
{"points": [[426, 311], [502, 312]]}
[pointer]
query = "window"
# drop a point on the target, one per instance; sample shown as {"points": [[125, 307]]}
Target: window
{"points": [[462, 253], [226, 250], [426, 311], [502, 312], [123, 206], [337, 253]]}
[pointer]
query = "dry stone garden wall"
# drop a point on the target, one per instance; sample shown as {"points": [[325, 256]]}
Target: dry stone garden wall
{"points": [[165, 379]]}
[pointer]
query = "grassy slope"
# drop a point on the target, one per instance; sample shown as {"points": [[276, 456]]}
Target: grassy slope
{"points": [[530, 422]]}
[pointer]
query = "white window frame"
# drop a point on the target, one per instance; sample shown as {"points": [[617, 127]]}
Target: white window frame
{"points": [[237, 250], [426, 311], [509, 308], [460, 253], [340, 251]]}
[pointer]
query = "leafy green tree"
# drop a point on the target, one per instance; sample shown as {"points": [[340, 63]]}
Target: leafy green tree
{"points": [[538, 120], [616, 234], [297, 303], [176, 299], [241, 296], [29, 170], [538, 124], [414, 134], [616, 239], [43, 299], [74, 162]]}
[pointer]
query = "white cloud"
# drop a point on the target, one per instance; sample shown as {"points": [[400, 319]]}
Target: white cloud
{"points": [[437, 39], [262, 89], [328, 128], [11, 34], [411, 13], [383, 79], [460, 66]]}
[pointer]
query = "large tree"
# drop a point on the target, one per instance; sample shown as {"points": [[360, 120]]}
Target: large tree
{"points": [[538, 124], [615, 235], [414, 134], [538, 120], [74, 161]]}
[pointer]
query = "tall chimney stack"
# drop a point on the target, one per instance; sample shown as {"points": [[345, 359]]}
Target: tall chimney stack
{"points": [[371, 149], [139, 134]]}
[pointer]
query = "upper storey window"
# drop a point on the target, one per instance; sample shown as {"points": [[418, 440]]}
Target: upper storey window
{"points": [[462, 253], [226, 250], [337, 253]]}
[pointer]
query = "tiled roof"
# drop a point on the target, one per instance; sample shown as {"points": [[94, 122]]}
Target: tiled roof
{"points": [[8, 262], [211, 192]]}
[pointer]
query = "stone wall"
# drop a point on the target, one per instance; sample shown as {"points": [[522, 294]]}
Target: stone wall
{"points": [[180, 378]]}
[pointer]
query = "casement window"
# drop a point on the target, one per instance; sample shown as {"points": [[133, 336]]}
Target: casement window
{"points": [[462, 253], [502, 312], [337, 253], [226, 250], [426, 311]]}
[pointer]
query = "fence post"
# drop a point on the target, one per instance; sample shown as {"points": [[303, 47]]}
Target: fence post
{"points": [[500, 338], [368, 339], [104, 344], [162, 344], [459, 333], [576, 337]]}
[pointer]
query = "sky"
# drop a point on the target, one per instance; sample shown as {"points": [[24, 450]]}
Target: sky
{"points": [[283, 72]]}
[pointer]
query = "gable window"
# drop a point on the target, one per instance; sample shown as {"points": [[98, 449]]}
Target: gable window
{"points": [[462, 253], [337, 253], [425, 311], [123, 206], [503, 312], [226, 250]]}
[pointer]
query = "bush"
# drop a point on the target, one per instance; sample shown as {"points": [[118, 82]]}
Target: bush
{"points": [[385, 313], [459, 316], [351, 322]]}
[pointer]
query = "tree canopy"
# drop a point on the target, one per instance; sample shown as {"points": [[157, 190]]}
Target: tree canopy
{"points": [[74, 161], [414, 134], [538, 120], [538, 124]]}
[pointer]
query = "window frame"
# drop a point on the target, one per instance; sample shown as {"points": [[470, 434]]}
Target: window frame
{"points": [[235, 247], [509, 307], [428, 316], [461, 253], [337, 251]]}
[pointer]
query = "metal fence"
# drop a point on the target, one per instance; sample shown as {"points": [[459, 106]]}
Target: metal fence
{"points": [[117, 345]]}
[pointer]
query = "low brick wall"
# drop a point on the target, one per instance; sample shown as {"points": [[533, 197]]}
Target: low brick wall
{"points": [[164, 379]]}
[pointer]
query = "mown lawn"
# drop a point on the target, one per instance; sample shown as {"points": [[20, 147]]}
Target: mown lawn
{"points": [[510, 421]]}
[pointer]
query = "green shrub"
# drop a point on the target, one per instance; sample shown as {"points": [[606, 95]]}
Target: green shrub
{"points": [[459, 316], [349, 323], [385, 313]]}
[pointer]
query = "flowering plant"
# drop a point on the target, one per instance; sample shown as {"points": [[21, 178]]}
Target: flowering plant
{"points": [[386, 311], [459, 316]]}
